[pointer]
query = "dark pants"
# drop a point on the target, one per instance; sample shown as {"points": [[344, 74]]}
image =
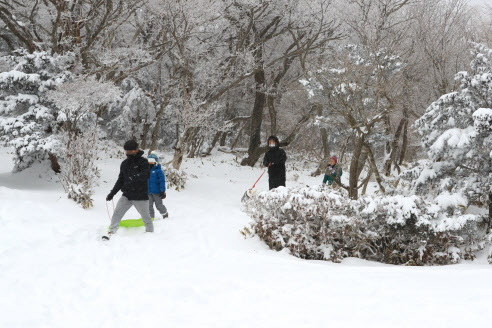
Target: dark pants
{"points": [[276, 183]]}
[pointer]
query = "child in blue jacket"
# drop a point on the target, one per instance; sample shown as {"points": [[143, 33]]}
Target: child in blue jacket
{"points": [[157, 187]]}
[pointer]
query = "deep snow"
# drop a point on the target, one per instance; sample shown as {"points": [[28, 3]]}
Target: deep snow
{"points": [[197, 270]]}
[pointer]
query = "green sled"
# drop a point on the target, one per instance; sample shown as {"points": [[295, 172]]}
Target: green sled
{"points": [[132, 223]]}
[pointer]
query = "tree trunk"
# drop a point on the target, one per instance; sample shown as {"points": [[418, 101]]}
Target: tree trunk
{"points": [[214, 142], [157, 126], [325, 149], [55, 166], [223, 139], [179, 149], [256, 120], [354, 167], [404, 144], [143, 137], [195, 144], [344, 149], [394, 147], [362, 161], [374, 168], [234, 144], [366, 183], [490, 207], [273, 115]]}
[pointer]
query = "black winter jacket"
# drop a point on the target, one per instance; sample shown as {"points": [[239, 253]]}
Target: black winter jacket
{"points": [[276, 156], [133, 177]]}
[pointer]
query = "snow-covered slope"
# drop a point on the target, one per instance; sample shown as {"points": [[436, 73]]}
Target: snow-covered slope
{"points": [[197, 270]]}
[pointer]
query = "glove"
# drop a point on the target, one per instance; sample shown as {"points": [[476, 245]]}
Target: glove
{"points": [[163, 194], [109, 197]]}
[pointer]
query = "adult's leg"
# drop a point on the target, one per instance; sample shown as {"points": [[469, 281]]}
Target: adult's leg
{"points": [[276, 183], [142, 207], [122, 207]]}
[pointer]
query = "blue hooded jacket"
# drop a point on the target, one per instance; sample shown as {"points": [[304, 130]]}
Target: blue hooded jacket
{"points": [[157, 180]]}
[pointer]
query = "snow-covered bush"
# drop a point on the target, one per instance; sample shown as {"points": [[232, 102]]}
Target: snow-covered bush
{"points": [[79, 102], [456, 132], [27, 121], [314, 223], [80, 174], [132, 114], [175, 178]]}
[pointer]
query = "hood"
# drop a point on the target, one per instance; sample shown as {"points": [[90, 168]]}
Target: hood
{"points": [[156, 167], [137, 156]]}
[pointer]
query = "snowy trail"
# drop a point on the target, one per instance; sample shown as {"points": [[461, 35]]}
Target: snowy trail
{"points": [[197, 270]]}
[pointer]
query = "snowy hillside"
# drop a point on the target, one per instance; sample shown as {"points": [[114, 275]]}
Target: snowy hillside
{"points": [[197, 270]]}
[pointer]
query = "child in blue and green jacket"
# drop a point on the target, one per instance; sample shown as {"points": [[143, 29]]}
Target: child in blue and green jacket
{"points": [[334, 169], [157, 187]]}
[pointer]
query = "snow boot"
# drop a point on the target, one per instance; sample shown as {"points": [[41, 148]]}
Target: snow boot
{"points": [[107, 237]]}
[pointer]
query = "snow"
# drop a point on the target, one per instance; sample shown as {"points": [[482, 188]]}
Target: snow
{"points": [[456, 138], [446, 200], [483, 113], [196, 269], [7, 77]]}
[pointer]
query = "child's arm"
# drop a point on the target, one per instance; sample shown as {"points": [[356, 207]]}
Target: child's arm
{"points": [[162, 180]]}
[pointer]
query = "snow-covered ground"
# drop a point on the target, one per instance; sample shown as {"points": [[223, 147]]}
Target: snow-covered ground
{"points": [[197, 270]]}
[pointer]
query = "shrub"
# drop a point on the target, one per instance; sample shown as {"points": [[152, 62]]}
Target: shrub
{"points": [[321, 224], [175, 178]]}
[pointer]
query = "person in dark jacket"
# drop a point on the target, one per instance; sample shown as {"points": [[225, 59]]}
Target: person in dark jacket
{"points": [[157, 187], [275, 159], [132, 181]]}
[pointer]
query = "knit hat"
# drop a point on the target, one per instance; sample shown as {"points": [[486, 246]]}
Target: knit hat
{"points": [[334, 158], [153, 158], [131, 145]]}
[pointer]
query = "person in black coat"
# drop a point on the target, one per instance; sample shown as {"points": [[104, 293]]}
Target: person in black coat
{"points": [[132, 181], [275, 159]]}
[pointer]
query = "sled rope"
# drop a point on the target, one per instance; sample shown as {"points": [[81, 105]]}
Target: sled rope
{"points": [[107, 209], [260, 176]]}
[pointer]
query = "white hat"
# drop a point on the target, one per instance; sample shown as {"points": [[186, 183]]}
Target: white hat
{"points": [[152, 160]]}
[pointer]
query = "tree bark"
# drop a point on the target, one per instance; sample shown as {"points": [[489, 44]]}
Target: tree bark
{"points": [[214, 142], [256, 120], [157, 126], [366, 183], [354, 167], [490, 207], [374, 168], [273, 115], [362, 161], [394, 147], [143, 137], [325, 149], [179, 149], [55, 166], [404, 144], [234, 144], [223, 139]]}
